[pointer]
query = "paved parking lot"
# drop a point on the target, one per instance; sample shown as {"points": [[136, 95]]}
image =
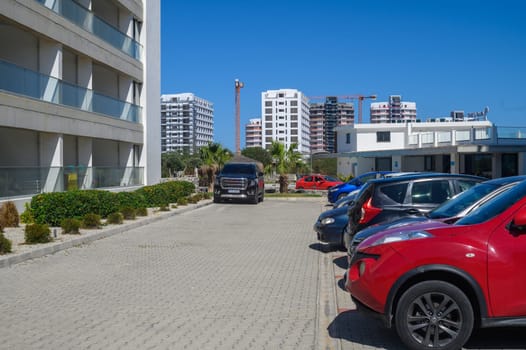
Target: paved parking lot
{"points": [[225, 276]]}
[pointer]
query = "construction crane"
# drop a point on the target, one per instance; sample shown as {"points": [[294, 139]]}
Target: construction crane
{"points": [[238, 85], [359, 98]]}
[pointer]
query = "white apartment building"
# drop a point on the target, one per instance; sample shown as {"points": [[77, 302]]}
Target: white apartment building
{"points": [[466, 147], [253, 132], [285, 113], [79, 95], [187, 122], [393, 111]]}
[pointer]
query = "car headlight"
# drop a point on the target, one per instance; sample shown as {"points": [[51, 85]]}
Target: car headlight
{"points": [[327, 221], [333, 189], [402, 236]]}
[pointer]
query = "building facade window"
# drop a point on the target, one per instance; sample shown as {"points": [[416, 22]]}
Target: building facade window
{"points": [[383, 136], [348, 138]]}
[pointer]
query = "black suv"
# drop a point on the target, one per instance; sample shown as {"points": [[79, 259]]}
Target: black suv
{"points": [[239, 181], [386, 200]]}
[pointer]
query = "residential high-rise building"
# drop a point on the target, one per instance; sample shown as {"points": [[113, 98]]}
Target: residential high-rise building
{"points": [[187, 122], [393, 111], [285, 114], [79, 95], [324, 117], [253, 132]]}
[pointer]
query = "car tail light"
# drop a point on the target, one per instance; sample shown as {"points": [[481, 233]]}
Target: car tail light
{"points": [[369, 211]]}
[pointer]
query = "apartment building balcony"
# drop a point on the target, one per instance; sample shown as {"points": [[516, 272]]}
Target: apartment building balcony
{"points": [[22, 81], [478, 136], [28, 181], [86, 19]]}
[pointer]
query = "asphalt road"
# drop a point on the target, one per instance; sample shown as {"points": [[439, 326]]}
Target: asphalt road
{"points": [[225, 276]]}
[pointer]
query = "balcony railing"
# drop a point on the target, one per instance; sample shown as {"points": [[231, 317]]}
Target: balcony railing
{"points": [[26, 181], [505, 132], [23, 81], [85, 19]]}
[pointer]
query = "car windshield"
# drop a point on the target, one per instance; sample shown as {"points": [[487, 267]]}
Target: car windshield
{"points": [[457, 204], [494, 206], [238, 168]]}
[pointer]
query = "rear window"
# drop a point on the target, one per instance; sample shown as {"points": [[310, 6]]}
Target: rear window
{"points": [[430, 192], [390, 194]]}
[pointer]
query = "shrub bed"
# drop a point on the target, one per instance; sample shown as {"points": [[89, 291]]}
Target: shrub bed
{"points": [[51, 208]]}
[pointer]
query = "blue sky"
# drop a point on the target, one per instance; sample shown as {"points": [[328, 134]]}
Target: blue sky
{"points": [[444, 55]]}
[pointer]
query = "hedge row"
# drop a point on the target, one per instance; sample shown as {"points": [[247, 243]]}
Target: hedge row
{"points": [[52, 208]]}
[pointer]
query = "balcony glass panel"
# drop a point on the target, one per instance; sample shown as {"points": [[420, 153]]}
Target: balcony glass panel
{"points": [[25, 181], [511, 133], [32, 84], [87, 20]]}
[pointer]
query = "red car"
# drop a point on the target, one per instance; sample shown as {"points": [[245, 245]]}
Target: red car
{"points": [[317, 182], [435, 283]]}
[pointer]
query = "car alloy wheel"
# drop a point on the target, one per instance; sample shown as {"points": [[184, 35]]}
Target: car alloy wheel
{"points": [[434, 315]]}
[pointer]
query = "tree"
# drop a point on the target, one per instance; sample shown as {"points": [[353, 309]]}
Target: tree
{"points": [[259, 154], [171, 162], [213, 156], [285, 160]]}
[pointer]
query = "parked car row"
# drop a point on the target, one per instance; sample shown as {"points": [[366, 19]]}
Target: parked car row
{"points": [[436, 255], [388, 199]]}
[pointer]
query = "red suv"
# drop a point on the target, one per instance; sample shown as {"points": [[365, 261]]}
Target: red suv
{"points": [[317, 182], [436, 283]]}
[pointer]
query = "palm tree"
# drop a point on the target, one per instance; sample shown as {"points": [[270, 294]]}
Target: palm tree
{"points": [[285, 160], [214, 156]]}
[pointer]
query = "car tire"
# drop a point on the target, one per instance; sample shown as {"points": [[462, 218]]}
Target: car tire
{"points": [[431, 328], [262, 198], [217, 199], [255, 199]]}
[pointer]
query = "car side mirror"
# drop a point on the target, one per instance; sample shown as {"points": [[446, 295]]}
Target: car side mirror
{"points": [[517, 226], [260, 173]]}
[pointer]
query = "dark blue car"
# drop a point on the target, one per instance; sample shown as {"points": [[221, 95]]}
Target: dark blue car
{"points": [[340, 191]]}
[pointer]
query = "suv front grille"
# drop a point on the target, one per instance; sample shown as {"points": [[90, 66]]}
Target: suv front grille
{"points": [[234, 183]]}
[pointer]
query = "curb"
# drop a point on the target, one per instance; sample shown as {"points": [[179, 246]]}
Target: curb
{"points": [[7, 261]]}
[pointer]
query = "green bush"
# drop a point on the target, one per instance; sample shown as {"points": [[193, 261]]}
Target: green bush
{"points": [[166, 192], [37, 233], [182, 201], [164, 207], [115, 218], [27, 216], [91, 220], [5, 244], [129, 213], [130, 200], [193, 199], [142, 211], [70, 226], [9, 215], [51, 208]]}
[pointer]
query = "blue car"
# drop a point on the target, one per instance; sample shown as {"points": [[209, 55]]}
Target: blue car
{"points": [[342, 190]]}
